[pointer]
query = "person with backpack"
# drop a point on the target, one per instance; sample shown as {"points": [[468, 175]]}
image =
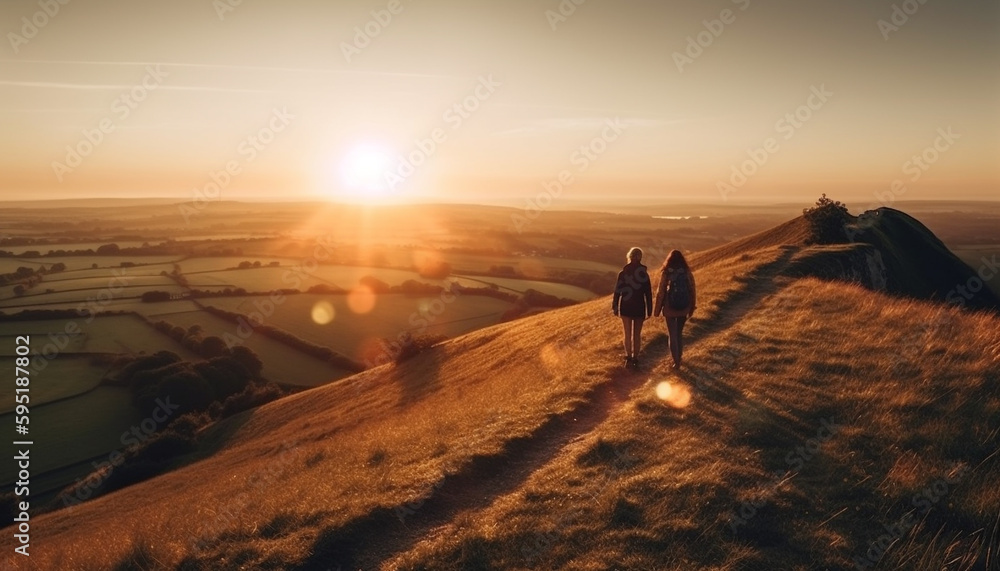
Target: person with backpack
{"points": [[676, 299], [633, 302]]}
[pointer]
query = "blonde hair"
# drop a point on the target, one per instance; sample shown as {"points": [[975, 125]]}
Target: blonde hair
{"points": [[634, 255]]}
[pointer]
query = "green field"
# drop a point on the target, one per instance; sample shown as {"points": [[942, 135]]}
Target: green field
{"points": [[520, 286], [349, 332], [73, 430], [108, 334], [282, 363], [64, 377], [536, 267], [124, 277]]}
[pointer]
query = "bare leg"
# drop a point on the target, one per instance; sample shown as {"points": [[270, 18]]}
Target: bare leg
{"points": [[627, 325], [636, 336]]}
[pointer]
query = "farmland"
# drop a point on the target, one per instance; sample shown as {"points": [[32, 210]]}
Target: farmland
{"points": [[282, 364], [328, 319]]}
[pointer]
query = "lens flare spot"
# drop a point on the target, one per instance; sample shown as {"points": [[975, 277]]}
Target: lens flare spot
{"points": [[532, 268], [361, 300], [430, 264], [676, 396], [553, 357], [323, 312]]}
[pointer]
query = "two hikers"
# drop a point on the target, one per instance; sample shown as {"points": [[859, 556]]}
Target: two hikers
{"points": [[633, 301]]}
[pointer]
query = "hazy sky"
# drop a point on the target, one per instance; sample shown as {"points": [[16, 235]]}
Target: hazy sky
{"points": [[293, 100]]}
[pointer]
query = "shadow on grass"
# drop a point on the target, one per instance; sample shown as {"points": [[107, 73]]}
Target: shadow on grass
{"points": [[369, 541]]}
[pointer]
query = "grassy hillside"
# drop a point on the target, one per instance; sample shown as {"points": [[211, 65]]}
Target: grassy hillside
{"points": [[810, 417]]}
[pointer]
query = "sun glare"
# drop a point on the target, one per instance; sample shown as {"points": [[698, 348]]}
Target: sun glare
{"points": [[363, 173], [675, 395], [323, 313]]}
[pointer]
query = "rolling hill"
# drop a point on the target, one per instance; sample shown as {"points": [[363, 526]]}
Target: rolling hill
{"points": [[833, 412]]}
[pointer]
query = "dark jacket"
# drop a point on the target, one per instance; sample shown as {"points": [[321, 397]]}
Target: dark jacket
{"points": [[633, 292]]}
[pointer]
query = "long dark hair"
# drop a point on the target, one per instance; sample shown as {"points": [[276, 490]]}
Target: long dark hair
{"points": [[675, 260]]}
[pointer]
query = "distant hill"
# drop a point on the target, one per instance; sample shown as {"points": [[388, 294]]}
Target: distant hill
{"points": [[833, 412]]}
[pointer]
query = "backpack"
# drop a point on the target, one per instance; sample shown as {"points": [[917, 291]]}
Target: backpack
{"points": [[678, 289]]}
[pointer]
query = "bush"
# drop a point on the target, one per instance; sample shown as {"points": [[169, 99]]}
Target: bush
{"points": [[436, 270], [417, 345], [154, 296], [252, 396], [108, 250], [827, 220]]}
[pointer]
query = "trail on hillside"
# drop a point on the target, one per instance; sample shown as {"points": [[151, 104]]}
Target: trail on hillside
{"points": [[485, 479]]}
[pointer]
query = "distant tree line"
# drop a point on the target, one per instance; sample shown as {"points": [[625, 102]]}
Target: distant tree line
{"points": [[209, 248], [320, 352], [532, 299]]}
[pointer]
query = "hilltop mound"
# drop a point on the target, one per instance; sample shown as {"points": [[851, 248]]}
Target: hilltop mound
{"points": [[883, 249], [815, 424], [891, 251]]}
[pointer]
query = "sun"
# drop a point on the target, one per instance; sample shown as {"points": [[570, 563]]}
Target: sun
{"points": [[362, 172]]}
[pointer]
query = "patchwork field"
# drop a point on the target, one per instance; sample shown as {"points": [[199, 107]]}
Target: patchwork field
{"points": [[106, 334]]}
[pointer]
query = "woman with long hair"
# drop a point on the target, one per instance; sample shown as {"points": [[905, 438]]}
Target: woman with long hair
{"points": [[676, 299], [633, 302]]}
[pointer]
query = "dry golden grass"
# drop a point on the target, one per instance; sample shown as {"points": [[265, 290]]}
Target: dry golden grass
{"points": [[526, 446], [913, 411]]}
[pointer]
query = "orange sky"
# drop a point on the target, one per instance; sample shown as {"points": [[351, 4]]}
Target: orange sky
{"points": [[699, 101]]}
